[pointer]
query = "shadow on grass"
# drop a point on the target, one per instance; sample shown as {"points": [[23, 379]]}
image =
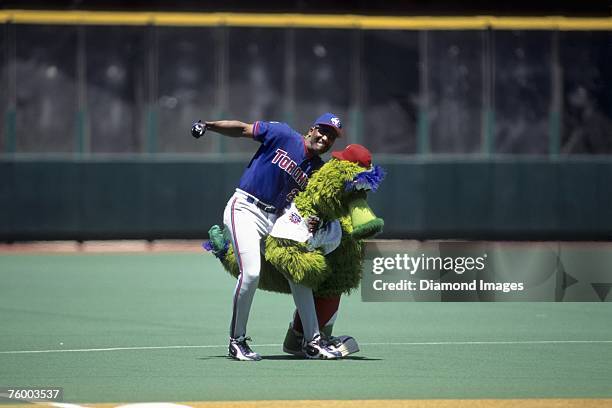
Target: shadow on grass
{"points": [[288, 357], [285, 357]]}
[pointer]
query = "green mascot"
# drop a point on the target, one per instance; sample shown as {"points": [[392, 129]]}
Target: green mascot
{"points": [[318, 241]]}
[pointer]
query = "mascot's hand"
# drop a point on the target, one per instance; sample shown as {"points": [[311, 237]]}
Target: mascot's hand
{"points": [[313, 222]]}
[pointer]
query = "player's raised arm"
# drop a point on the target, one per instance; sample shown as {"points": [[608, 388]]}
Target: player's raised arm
{"points": [[231, 128]]}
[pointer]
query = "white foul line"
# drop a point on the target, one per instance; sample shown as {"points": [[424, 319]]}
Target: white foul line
{"points": [[468, 343], [429, 343], [106, 349]]}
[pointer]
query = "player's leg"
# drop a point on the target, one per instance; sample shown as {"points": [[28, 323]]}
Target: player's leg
{"points": [[312, 345], [326, 309], [245, 233]]}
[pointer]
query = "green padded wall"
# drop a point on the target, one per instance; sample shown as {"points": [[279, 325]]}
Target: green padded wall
{"points": [[148, 199]]}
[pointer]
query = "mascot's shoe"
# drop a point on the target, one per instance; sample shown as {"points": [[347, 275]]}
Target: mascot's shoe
{"points": [[346, 345], [240, 350], [293, 342], [319, 349]]}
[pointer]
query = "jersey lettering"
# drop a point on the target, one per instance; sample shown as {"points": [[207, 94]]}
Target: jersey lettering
{"points": [[284, 162], [291, 167], [292, 194], [279, 153], [280, 164]]}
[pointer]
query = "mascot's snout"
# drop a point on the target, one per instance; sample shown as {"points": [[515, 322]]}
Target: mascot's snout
{"points": [[365, 223]]}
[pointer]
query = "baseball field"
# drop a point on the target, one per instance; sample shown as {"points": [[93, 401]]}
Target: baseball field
{"points": [[117, 328]]}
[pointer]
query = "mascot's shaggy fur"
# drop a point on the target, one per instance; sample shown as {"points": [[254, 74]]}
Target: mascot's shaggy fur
{"points": [[337, 191]]}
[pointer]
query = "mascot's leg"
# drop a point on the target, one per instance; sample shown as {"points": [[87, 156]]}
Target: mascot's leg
{"points": [[327, 310]]}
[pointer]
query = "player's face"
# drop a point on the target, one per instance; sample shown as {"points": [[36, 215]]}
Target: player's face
{"points": [[320, 139]]}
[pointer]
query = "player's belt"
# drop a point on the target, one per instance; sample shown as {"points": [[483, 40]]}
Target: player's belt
{"points": [[262, 206]]}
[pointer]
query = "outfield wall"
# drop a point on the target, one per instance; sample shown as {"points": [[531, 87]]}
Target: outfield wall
{"points": [[518, 199]]}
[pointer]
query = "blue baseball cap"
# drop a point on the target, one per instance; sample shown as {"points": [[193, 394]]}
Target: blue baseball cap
{"points": [[331, 120]]}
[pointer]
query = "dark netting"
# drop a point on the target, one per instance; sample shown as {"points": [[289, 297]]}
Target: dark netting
{"points": [[187, 86], [587, 95], [257, 80], [46, 96], [116, 86], [323, 72], [454, 61], [522, 78], [4, 96], [134, 89], [390, 90]]}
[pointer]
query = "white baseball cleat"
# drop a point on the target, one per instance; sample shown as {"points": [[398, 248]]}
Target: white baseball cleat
{"points": [[346, 345], [240, 350], [318, 348]]}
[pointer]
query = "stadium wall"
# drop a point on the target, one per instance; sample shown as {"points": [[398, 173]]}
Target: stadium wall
{"points": [[140, 198]]}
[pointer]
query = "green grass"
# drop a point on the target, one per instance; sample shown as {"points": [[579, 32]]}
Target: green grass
{"points": [[92, 301]]}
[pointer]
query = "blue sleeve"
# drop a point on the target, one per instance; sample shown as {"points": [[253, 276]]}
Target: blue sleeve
{"points": [[267, 131]]}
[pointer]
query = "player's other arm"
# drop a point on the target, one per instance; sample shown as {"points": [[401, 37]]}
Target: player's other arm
{"points": [[231, 128]]}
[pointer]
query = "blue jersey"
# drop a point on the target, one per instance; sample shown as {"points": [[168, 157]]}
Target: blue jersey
{"points": [[281, 167]]}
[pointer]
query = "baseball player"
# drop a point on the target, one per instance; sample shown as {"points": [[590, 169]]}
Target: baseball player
{"points": [[276, 173]]}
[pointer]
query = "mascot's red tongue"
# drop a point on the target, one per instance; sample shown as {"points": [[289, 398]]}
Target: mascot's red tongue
{"points": [[355, 153]]}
